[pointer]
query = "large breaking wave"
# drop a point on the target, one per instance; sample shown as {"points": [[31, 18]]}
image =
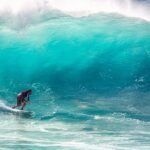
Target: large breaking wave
{"points": [[51, 52], [111, 53]]}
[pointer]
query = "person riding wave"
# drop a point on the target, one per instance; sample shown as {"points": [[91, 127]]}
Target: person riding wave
{"points": [[23, 98]]}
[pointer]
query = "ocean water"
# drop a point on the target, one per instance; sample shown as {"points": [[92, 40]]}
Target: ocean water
{"points": [[88, 64]]}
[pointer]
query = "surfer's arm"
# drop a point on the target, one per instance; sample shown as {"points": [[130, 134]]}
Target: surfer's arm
{"points": [[28, 99]]}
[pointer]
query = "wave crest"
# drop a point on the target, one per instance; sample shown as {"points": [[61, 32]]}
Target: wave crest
{"points": [[131, 8]]}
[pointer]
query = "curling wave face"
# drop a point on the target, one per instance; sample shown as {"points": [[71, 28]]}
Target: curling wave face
{"points": [[107, 54]]}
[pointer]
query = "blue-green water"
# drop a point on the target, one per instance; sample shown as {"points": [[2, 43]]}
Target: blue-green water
{"points": [[90, 82]]}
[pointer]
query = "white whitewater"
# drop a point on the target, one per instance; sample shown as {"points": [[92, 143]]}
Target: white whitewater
{"points": [[78, 8], [6, 109]]}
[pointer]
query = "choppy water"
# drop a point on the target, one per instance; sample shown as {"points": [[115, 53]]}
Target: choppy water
{"points": [[88, 69]]}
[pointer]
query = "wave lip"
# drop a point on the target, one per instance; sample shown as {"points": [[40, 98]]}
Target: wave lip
{"points": [[131, 8]]}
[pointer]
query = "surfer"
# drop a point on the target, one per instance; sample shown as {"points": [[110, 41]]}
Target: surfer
{"points": [[23, 98]]}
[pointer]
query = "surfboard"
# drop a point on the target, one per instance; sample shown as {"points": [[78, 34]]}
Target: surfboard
{"points": [[21, 112], [7, 109]]}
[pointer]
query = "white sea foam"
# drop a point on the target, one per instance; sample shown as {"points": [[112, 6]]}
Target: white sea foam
{"points": [[78, 8], [3, 106]]}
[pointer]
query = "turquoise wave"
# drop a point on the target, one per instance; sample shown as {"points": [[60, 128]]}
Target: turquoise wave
{"points": [[112, 52]]}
